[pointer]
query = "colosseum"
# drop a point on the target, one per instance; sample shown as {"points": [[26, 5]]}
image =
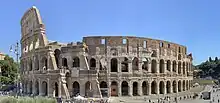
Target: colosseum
{"points": [[100, 66]]}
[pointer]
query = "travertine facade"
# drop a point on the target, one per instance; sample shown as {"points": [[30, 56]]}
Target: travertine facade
{"points": [[114, 65]]}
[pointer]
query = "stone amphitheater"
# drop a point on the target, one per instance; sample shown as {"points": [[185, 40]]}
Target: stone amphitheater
{"points": [[100, 66]]}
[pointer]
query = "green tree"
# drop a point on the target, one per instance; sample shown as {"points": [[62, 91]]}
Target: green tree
{"points": [[216, 59], [210, 59], [9, 70]]}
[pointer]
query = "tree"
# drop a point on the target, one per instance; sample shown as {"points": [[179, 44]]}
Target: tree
{"points": [[210, 59], [216, 59], [9, 70]]}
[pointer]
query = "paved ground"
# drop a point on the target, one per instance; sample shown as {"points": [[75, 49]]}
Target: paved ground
{"points": [[155, 98], [215, 97]]}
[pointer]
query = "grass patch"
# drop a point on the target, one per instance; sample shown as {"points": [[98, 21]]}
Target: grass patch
{"points": [[9, 99]]}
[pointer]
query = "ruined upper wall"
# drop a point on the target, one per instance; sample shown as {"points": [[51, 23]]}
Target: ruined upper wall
{"points": [[134, 42], [32, 30]]}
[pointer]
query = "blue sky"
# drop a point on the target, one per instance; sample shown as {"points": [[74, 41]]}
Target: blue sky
{"points": [[193, 23]]}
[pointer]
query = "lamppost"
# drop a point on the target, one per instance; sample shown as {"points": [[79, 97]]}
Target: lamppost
{"points": [[15, 49]]}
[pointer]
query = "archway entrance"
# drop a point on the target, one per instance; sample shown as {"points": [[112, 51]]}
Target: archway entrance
{"points": [[76, 88], [104, 89], [124, 88], [44, 88], [154, 87], [145, 88], [135, 89], [88, 89], [114, 89]]}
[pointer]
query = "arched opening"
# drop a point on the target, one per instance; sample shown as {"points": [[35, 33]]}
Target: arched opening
{"points": [[168, 65], [174, 66], [30, 86], [76, 62], [145, 66], [88, 89], [179, 86], [56, 89], [174, 87], [179, 67], [161, 66], [184, 69], [135, 89], [44, 62], [114, 88], [64, 62], [124, 88], [37, 88], [44, 88], [135, 63], [184, 85], [114, 65], [161, 87], [154, 87], [179, 57], [57, 53], [92, 64], [154, 66], [168, 87], [25, 87], [145, 88], [104, 89], [187, 85], [114, 51], [154, 54], [30, 65], [124, 65], [76, 88], [36, 63]]}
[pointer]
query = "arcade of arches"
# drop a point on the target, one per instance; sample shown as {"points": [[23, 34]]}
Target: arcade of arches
{"points": [[122, 88]]}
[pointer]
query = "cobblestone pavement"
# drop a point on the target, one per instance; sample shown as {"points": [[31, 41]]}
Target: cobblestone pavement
{"points": [[154, 98]]}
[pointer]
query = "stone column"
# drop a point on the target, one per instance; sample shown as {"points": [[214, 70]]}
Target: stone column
{"points": [[40, 87], [60, 88], [149, 66], [165, 87], [177, 90], [158, 87], [171, 87], [29, 87], [130, 67], [119, 66], [48, 62], [119, 88], [158, 67], [140, 88], [130, 86], [171, 67], [109, 88], [49, 91], [149, 88], [140, 66], [33, 88], [165, 67]]}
